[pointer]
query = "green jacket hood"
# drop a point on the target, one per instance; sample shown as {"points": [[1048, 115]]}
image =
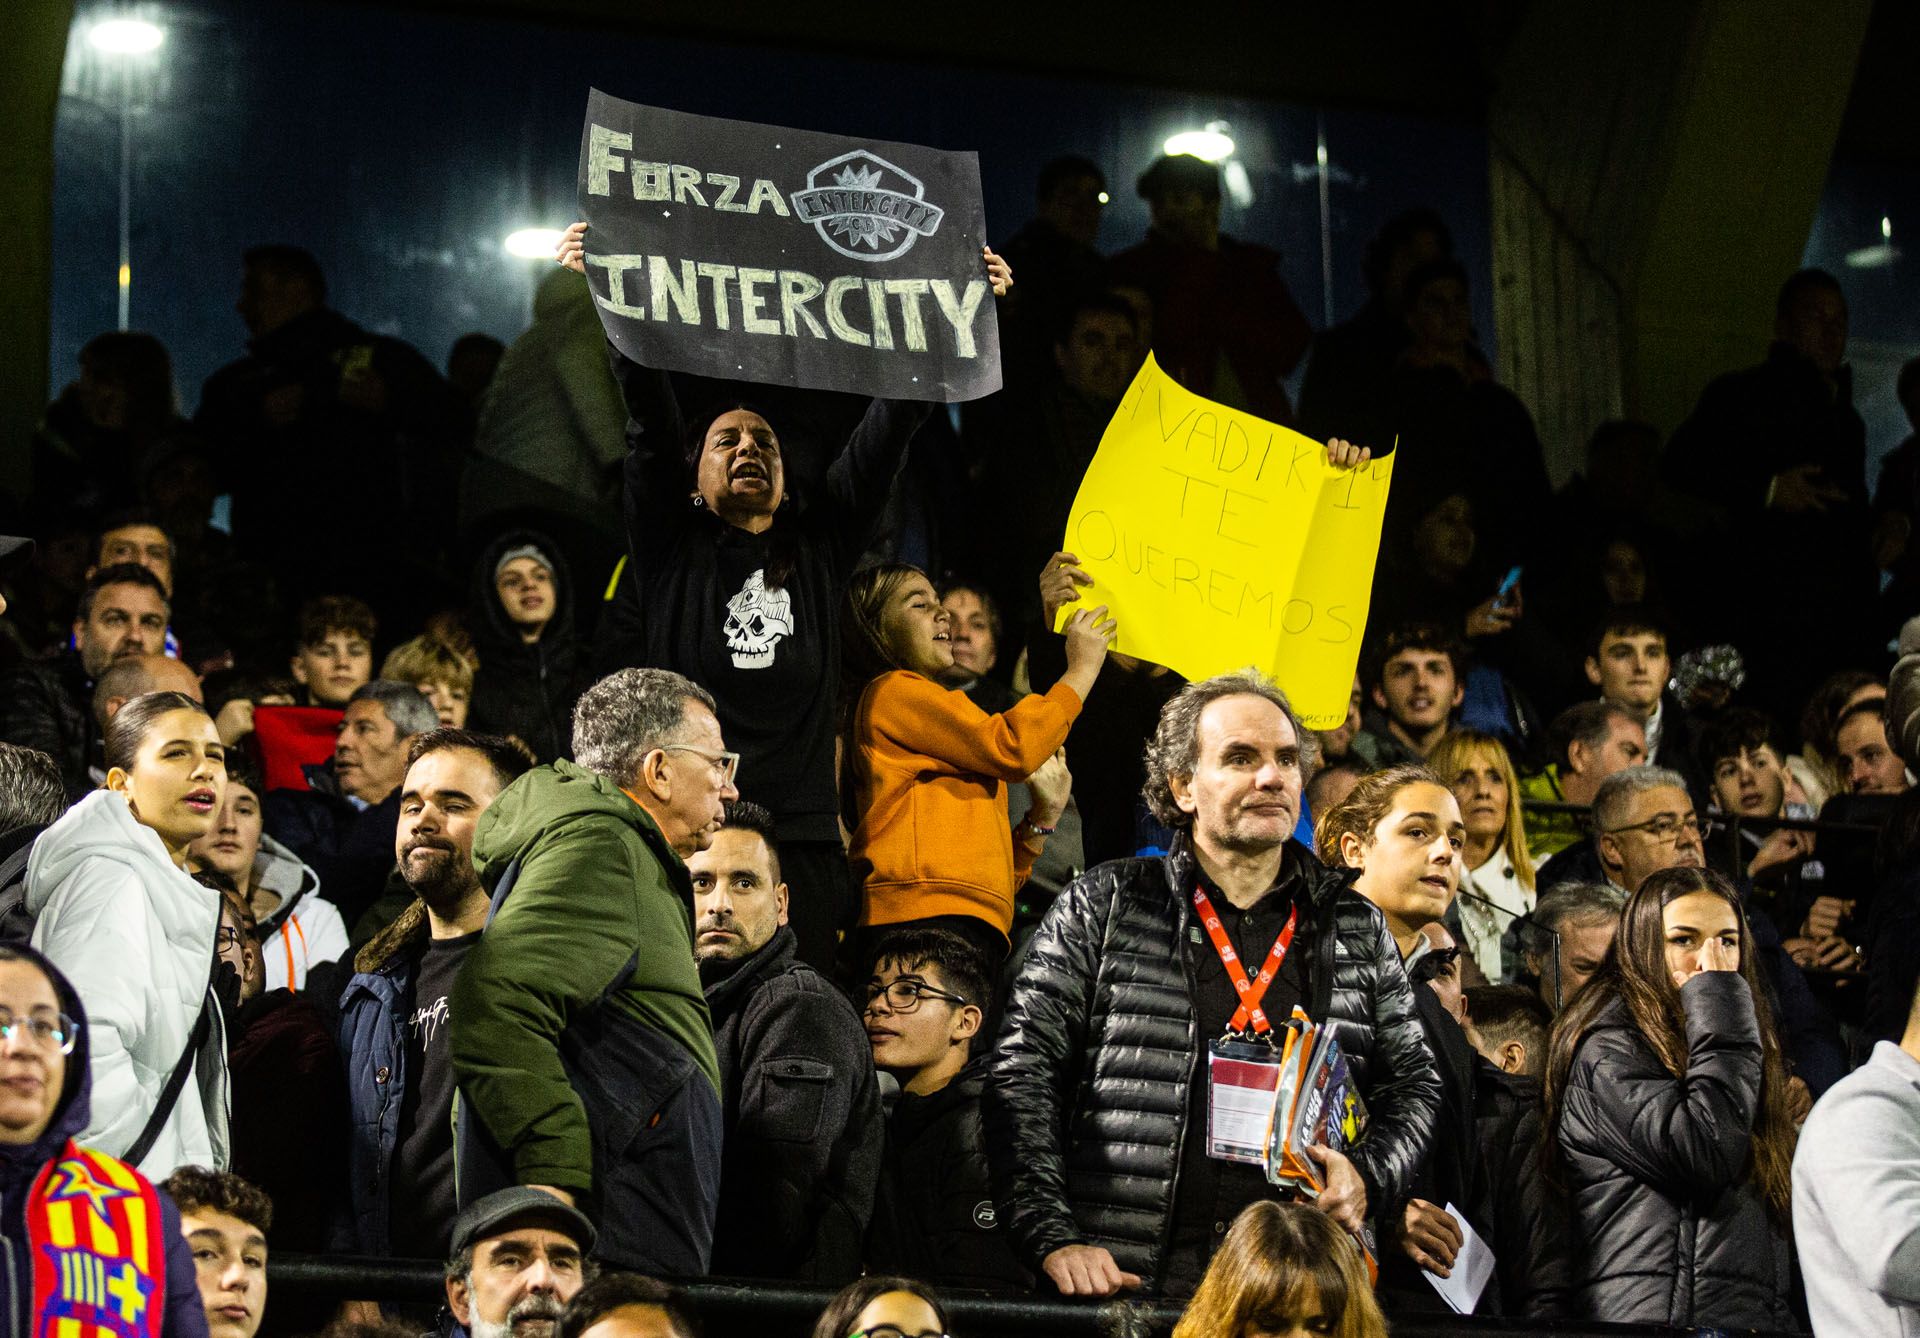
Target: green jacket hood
{"points": [[547, 797]]}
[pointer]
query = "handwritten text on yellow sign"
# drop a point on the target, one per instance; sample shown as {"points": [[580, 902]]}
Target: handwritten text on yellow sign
{"points": [[1220, 540]]}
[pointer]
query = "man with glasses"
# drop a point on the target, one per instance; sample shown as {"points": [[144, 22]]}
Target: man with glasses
{"points": [[580, 1038], [935, 1218], [803, 1122], [1643, 821]]}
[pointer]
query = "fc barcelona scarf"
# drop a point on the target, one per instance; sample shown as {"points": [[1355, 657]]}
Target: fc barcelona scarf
{"points": [[99, 1262]]}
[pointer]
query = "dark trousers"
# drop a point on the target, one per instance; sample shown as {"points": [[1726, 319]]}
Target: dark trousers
{"points": [[822, 899]]}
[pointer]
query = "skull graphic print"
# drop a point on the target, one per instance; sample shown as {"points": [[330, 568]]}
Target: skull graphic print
{"points": [[756, 620]]}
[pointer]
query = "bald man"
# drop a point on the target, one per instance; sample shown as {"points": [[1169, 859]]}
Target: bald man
{"points": [[136, 676]]}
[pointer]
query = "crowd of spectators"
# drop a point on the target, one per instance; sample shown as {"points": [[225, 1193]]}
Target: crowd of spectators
{"points": [[701, 889]]}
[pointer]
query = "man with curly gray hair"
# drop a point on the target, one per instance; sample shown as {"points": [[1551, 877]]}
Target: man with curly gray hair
{"points": [[1103, 1120], [580, 1033]]}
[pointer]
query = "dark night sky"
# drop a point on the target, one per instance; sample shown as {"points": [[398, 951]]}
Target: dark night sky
{"points": [[402, 147]]}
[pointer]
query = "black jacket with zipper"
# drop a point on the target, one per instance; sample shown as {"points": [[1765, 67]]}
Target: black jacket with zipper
{"points": [[1670, 1225], [1086, 1100], [803, 1128], [935, 1218]]}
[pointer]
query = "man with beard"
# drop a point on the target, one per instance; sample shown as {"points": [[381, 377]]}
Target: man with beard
{"points": [[393, 1026], [518, 1256], [803, 1127]]}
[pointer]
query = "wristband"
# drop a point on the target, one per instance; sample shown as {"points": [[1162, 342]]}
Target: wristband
{"points": [[1029, 825]]}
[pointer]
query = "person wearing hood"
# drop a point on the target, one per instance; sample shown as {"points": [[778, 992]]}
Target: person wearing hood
{"points": [[802, 1134], [298, 928], [115, 909], [532, 666], [133, 1238]]}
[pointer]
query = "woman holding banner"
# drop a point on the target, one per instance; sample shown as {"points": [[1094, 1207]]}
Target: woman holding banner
{"points": [[737, 584]]}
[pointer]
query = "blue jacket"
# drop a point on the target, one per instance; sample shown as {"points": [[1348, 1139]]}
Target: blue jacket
{"points": [[373, 1013], [20, 1166]]}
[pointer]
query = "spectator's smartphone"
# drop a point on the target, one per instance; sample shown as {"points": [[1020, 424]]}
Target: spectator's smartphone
{"points": [[1507, 584]]}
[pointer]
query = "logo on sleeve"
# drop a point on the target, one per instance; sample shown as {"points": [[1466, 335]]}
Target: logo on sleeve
{"points": [[984, 1215]]}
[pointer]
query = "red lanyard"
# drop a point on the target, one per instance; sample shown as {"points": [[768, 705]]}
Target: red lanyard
{"points": [[1250, 993]]}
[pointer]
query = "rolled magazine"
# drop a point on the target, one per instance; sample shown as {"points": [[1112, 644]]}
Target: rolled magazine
{"points": [[1315, 1103]]}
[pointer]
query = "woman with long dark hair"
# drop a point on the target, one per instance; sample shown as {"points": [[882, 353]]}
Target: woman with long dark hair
{"points": [[735, 582], [883, 1307], [1666, 1100]]}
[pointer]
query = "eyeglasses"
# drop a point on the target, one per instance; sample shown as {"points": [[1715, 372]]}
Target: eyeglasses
{"points": [[1434, 963], [894, 1331], [728, 764], [903, 996], [43, 1032], [226, 936], [1665, 829]]}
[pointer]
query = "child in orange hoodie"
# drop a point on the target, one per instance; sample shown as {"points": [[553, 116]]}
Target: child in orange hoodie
{"points": [[926, 769]]}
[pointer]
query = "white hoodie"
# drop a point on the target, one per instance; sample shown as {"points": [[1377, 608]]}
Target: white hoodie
{"points": [[135, 936], [312, 934]]}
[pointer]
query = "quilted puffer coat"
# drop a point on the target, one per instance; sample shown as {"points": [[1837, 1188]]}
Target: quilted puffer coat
{"points": [[1086, 1099]]}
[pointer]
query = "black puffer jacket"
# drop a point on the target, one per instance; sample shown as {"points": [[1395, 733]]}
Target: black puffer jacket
{"points": [[1086, 1098], [935, 1217], [524, 690], [1670, 1227]]}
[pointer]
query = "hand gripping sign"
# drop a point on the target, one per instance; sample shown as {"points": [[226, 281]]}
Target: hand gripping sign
{"points": [[1219, 540], [759, 253]]}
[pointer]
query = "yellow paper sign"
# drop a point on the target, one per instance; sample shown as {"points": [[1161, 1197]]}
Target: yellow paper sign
{"points": [[1219, 540]]}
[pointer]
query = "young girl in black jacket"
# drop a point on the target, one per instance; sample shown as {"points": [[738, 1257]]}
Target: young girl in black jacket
{"points": [[1666, 1102]]}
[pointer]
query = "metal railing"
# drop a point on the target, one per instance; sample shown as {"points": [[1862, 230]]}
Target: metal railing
{"points": [[741, 1308]]}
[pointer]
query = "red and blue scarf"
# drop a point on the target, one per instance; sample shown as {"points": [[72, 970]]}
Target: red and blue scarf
{"points": [[99, 1259]]}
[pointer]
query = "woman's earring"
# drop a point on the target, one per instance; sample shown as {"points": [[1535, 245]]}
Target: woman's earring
{"points": [[698, 501]]}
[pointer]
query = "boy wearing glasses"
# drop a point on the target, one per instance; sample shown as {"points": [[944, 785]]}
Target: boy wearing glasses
{"points": [[936, 1217], [802, 1123]]}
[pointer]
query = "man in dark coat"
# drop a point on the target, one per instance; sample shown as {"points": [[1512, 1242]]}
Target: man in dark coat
{"points": [[394, 1014], [1778, 454], [48, 704], [359, 427], [802, 1106], [1097, 1096], [1225, 324]]}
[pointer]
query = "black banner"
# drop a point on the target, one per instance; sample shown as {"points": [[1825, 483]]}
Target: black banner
{"points": [[758, 253]]}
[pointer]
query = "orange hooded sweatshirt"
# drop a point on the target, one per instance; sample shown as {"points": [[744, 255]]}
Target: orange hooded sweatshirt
{"points": [[929, 773]]}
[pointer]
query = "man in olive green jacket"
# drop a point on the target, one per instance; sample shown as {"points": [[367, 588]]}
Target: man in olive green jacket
{"points": [[581, 1040]]}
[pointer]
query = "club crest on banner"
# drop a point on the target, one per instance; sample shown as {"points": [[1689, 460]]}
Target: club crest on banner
{"points": [[859, 202]]}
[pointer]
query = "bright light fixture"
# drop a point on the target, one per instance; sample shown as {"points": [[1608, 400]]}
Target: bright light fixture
{"points": [[534, 243], [1105, 198], [125, 37], [1879, 255], [1212, 144]]}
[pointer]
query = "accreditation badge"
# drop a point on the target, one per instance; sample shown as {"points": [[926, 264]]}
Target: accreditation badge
{"points": [[1242, 1079]]}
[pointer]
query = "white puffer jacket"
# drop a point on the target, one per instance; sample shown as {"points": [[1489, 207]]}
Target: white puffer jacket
{"points": [[135, 936]]}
